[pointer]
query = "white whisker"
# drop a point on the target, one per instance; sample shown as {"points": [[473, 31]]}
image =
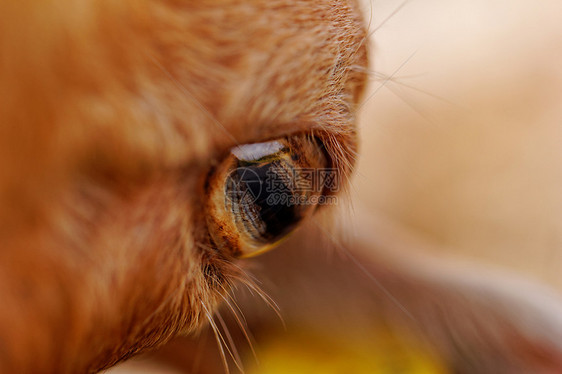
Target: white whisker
{"points": [[241, 321], [386, 81], [233, 350], [218, 338]]}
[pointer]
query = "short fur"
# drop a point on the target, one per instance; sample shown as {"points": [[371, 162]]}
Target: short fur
{"points": [[112, 115]]}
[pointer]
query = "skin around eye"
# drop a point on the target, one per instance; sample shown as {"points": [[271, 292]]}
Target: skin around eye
{"points": [[262, 191]]}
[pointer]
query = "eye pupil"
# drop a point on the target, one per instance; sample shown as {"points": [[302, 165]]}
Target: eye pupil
{"points": [[272, 202], [255, 194], [252, 179]]}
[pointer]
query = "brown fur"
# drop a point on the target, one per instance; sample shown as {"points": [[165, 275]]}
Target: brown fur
{"points": [[112, 115]]}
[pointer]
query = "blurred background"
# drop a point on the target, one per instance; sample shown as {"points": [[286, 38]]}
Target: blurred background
{"points": [[462, 134], [461, 148]]}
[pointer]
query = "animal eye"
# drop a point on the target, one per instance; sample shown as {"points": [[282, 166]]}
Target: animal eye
{"points": [[261, 191]]}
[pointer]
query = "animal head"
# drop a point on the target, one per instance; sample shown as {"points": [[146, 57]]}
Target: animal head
{"points": [[113, 117]]}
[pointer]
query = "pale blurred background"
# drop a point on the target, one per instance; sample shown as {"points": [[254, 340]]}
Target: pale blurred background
{"points": [[462, 140]]}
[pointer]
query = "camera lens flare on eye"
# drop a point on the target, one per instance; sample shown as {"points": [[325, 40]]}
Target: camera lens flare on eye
{"points": [[262, 191]]}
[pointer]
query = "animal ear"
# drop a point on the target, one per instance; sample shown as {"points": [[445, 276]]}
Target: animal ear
{"points": [[480, 320]]}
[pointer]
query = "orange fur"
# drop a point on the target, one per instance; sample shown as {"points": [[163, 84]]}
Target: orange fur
{"points": [[112, 114]]}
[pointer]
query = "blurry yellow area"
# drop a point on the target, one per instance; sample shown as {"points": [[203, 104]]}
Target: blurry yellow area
{"points": [[314, 353]]}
